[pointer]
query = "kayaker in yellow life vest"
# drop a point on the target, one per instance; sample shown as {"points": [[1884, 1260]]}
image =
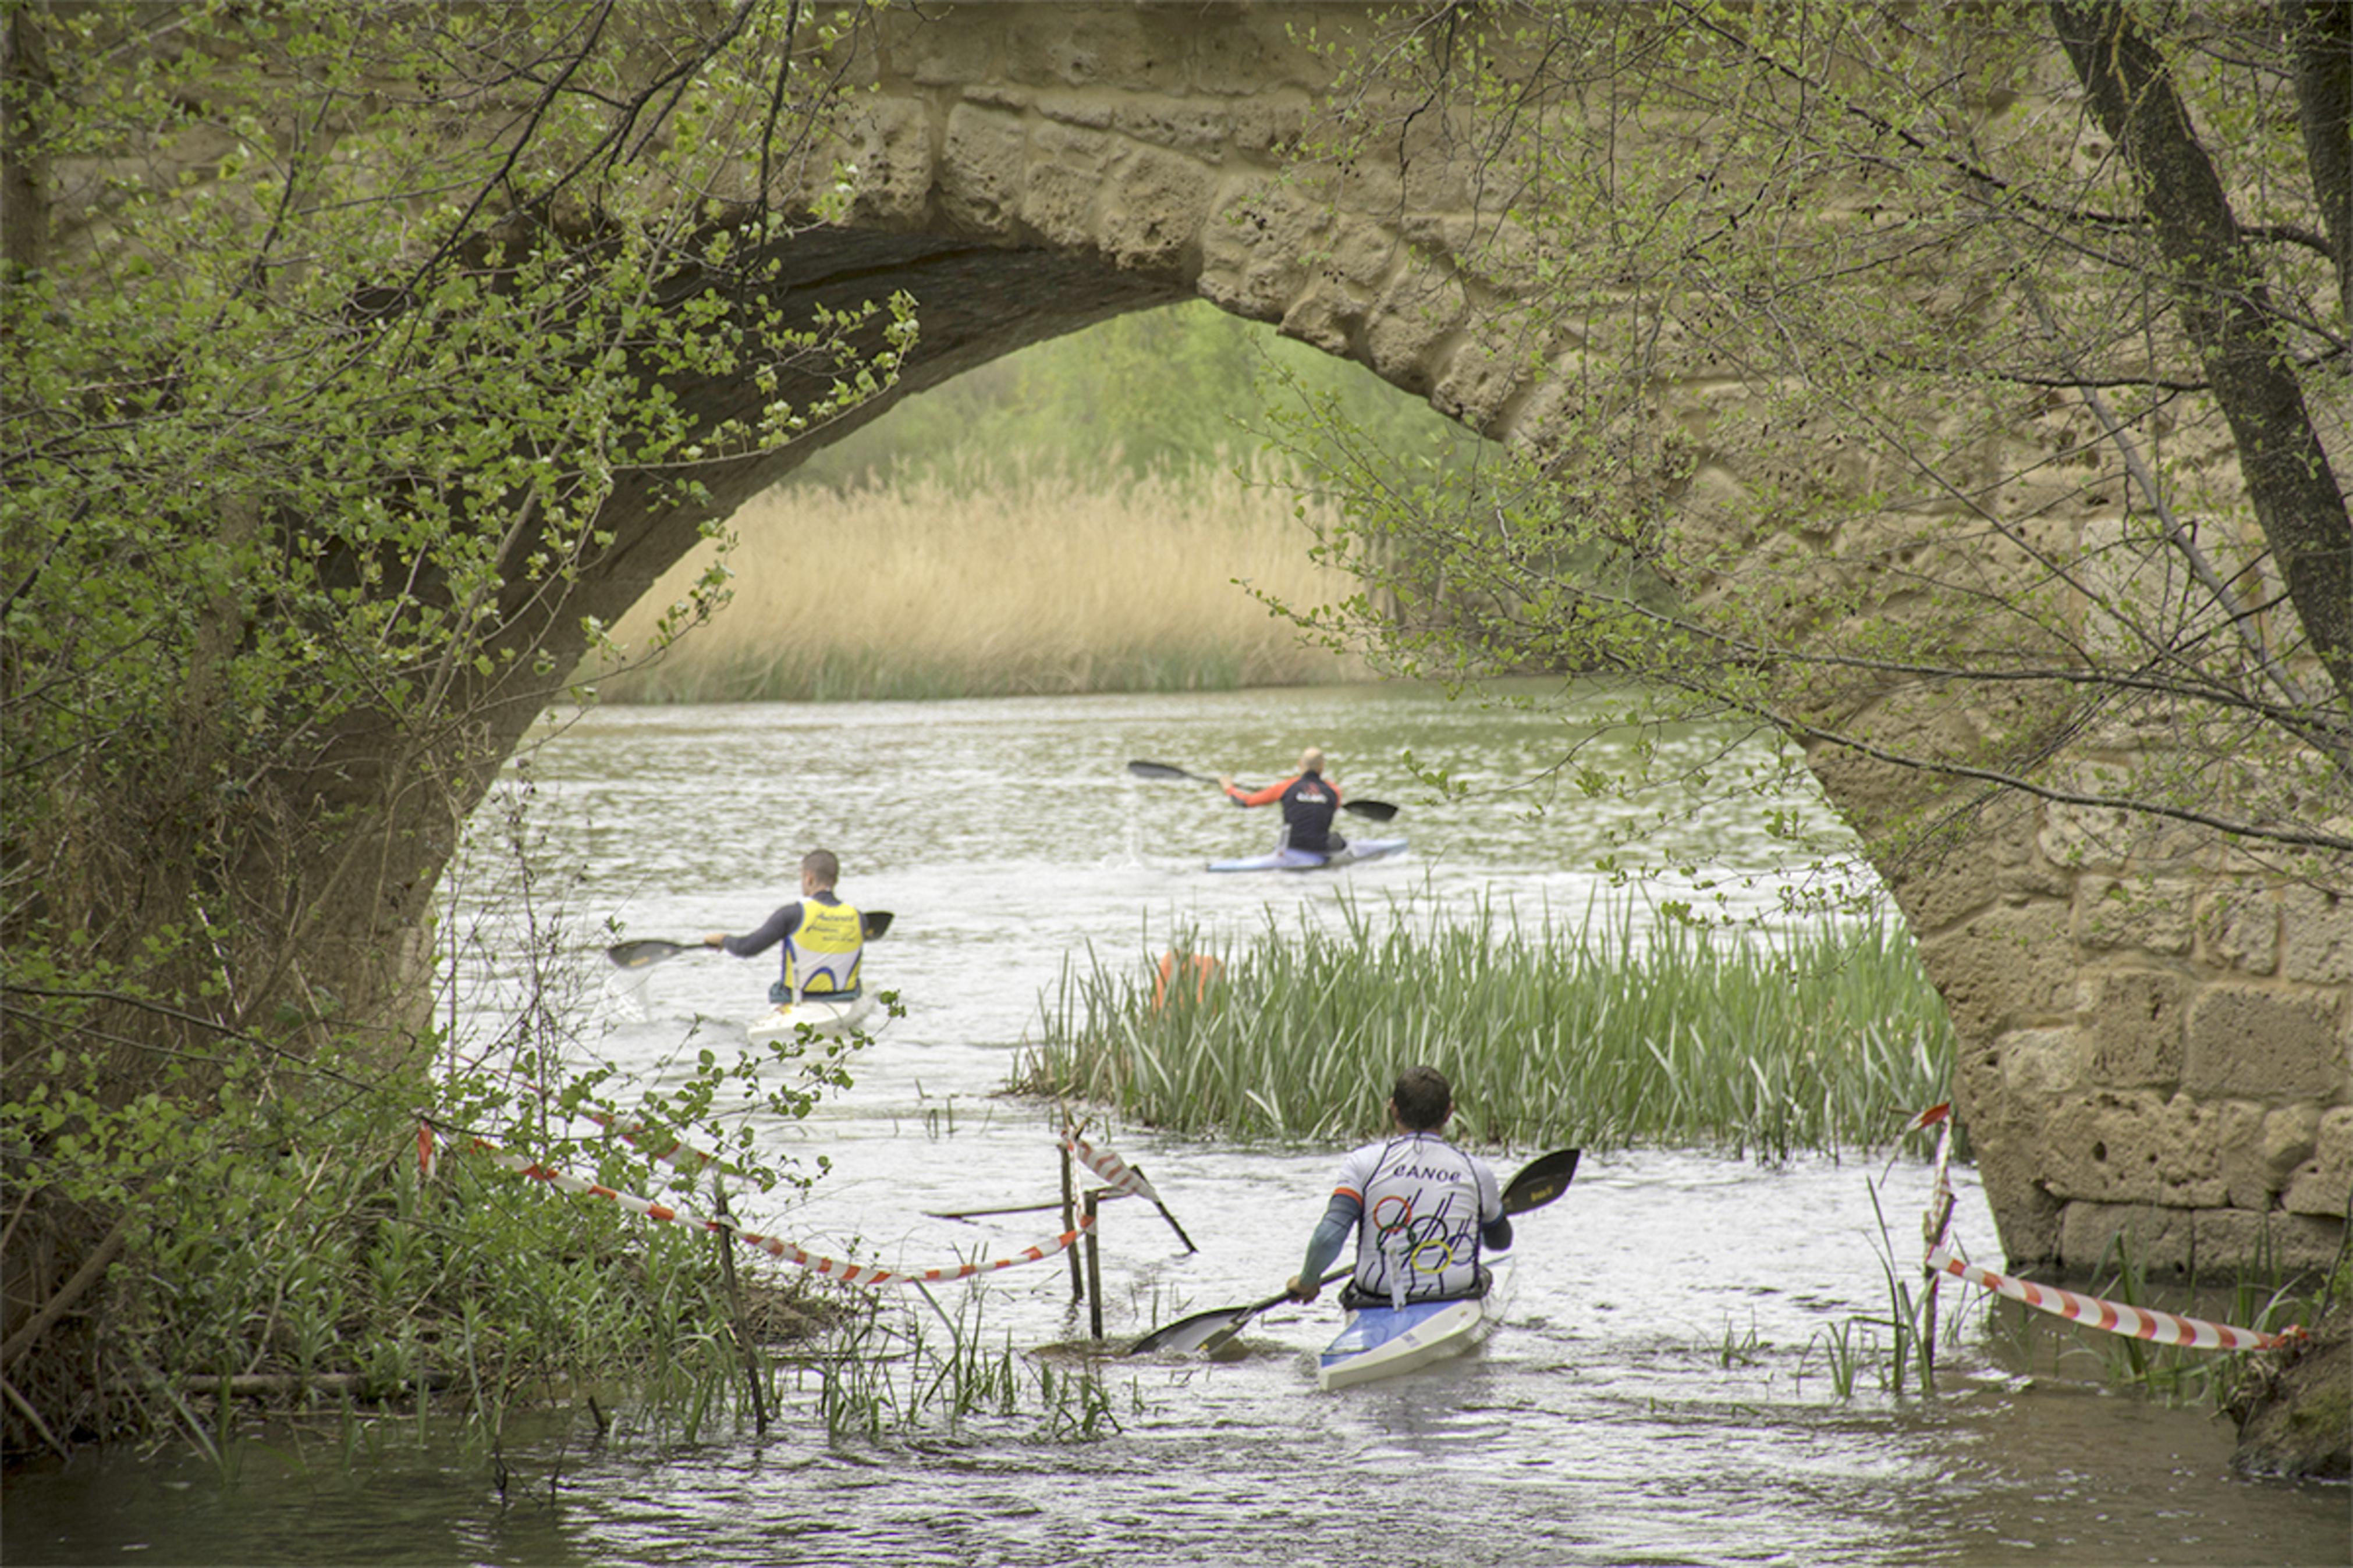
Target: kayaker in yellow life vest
{"points": [[825, 938], [1419, 1208]]}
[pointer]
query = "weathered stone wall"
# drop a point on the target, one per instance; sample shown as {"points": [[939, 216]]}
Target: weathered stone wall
{"points": [[2153, 1043], [2158, 1038]]}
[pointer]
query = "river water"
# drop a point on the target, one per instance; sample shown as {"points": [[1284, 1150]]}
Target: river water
{"points": [[1660, 1394]]}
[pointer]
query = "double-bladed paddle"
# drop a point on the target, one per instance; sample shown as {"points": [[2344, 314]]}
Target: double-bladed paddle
{"points": [[1371, 810], [653, 949], [1539, 1183]]}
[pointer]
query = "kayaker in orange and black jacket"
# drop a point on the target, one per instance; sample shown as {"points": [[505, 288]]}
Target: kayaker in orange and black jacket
{"points": [[1308, 802]]}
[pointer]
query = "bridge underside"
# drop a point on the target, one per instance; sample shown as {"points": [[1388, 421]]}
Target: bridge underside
{"points": [[974, 302]]}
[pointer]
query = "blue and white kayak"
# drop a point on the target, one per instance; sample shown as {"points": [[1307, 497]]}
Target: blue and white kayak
{"points": [[784, 1022], [1378, 1341], [1355, 850]]}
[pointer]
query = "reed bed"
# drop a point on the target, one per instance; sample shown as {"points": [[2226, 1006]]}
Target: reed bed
{"points": [[996, 580], [1592, 1037], [895, 1382]]}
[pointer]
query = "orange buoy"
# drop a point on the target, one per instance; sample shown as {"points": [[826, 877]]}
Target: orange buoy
{"points": [[1203, 966]]}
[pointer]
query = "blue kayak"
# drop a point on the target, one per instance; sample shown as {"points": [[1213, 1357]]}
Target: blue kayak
{"points": [[1356, 850], [1381, 1341]]}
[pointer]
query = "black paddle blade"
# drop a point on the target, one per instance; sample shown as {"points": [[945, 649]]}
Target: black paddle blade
{"points": [[647, 950], [877, 921], [1370, 810], [1207, 1331], [1188, 1334], [1540, 1181], [1163, 770]]}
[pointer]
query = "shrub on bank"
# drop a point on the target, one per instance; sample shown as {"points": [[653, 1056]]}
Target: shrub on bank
{"points": [[271, 1235]]}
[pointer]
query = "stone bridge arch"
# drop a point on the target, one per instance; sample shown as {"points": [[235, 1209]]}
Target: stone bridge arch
{"points": [[2179, 1073]]}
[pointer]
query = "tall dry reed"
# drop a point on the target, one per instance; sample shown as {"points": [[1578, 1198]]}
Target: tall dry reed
{"points": [[997, 579]]}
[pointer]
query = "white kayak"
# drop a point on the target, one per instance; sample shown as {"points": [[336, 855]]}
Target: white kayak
{"points": [[1379, 1342], [1353, 851], [784, 1022]]}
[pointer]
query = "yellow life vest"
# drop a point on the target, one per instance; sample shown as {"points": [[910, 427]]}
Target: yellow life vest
{"points": [[821, 958]]}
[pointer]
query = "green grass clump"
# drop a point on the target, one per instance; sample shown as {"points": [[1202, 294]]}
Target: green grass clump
{"points": [[1825, 1040], [883, 1382]]}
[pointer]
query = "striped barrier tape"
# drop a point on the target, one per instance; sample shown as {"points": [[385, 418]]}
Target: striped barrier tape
{"points": [[1108, 1166], [1123, 1176], [1940, 1111], [677, 1152], [784, 1251], [2115, 1317]]}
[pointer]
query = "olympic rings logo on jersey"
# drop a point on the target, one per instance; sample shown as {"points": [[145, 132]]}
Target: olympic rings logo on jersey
{"points": [[1434, 1236]]}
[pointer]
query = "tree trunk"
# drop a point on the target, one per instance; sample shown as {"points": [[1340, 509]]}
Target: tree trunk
{"points": [[2228, 310]]}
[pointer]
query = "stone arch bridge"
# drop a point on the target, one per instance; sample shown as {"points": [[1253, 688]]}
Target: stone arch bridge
{"points": [[1025, 170]]}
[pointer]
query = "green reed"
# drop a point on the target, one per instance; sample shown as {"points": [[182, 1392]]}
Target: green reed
{"points": [[1891, 1348], [1592, 1035], [904, 1377]]}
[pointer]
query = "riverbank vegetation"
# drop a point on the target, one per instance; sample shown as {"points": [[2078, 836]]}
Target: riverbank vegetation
{"points": [[328, 345], [1590, 1034], [891, 1379], [285, 1231], [293, 1250], [986, 577]]}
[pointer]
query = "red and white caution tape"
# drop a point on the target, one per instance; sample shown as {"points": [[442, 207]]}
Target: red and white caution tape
{"points": [[673, 1151], [1940, 1111], [2140, 1322], [867, 1274], [1123, 1176], [1108, 1166], [784, 1251]]}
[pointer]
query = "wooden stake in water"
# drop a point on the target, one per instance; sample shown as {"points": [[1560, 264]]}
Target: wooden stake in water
{"points": [[1095, 1264], [726, 1240], [1933, 1225], [1069, 1223]]}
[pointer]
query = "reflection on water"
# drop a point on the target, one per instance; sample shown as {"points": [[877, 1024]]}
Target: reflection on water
{"points": [[1660, 1393]]}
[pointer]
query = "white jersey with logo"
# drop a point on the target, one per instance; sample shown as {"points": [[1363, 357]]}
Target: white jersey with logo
{"points": [[1423, 1200]]}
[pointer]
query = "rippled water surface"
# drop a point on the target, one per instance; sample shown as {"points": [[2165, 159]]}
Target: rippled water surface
{"points": [[1659, 1394]]}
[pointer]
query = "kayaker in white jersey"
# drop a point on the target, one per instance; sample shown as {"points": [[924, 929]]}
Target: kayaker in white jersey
{"points": [[825, 938], [1419, 1207]]}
